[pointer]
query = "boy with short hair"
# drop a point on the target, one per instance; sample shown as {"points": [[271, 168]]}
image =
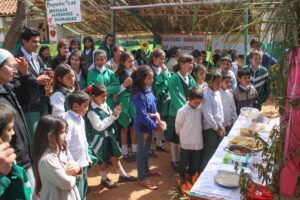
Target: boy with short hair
{"points": [[189, 128], [15, 184], [78, 103], [229, 109], [259, 77], [245, 94], [226, 64]]}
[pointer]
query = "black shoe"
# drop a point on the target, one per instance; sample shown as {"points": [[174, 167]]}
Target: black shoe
{"points": [[152, 154], [174, 165], [162, 148], [123, 179], [127, 158], [133, 157], [164, 140], [108, 183]]}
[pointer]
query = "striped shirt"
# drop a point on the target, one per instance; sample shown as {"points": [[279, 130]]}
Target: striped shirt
{"points": [[261, 81]]}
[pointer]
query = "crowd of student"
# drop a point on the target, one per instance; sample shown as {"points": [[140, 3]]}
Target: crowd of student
{"points": [[71, 118]]}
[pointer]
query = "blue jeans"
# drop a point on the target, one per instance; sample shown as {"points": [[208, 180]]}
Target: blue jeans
{"points": [[142, 154]]}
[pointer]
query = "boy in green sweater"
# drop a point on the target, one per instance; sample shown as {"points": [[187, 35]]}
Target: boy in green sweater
{"points": [[259, 77], [14, 185]]}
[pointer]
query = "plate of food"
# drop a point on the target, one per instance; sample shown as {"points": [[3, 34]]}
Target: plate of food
{"points": [[248, 142], [239, 150], [271, 114], [249, 132], [227, 179]]}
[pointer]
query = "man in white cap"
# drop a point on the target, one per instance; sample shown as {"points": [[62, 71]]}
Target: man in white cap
{"points": [[9, 66]]}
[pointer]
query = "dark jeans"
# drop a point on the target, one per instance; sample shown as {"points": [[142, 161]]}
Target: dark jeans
{"points": [[211, 141], [192, 158], [142, 154]]}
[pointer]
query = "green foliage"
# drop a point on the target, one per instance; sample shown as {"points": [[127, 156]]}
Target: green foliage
{"points": [[272, 22]]}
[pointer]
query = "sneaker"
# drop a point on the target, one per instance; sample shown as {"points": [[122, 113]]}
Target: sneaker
{"points": [[162, 148], [133, 157], [123, 179], [175, 165], [152, 154], [164, 140], [127, 158], [108, 183]]}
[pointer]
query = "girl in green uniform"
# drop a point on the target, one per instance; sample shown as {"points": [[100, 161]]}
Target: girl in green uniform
{"points": [[125, 69], [79, 65], [14, 185], [101, 134], [64, 83], [179, 84], [88, 49], [100, 74], [161, 77]]}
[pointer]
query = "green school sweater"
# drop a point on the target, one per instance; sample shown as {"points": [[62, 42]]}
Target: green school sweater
{"points": [[177, 93], [261, 81], [109, 79], [15, 186]]}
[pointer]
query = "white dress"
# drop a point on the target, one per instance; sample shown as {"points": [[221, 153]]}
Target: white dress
{"points": [[56, 184]]}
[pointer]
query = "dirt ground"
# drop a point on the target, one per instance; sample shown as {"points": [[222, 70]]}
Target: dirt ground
{"points": [[132, 191]]}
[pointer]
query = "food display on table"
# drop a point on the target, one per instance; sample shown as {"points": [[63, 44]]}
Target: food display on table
{"points": [[227, 179], [249, 142], [249, 112], [249, 132], [237, 149], [270, 114]]}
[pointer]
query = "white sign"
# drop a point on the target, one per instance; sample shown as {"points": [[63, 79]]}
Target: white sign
{"points": [[223, 43], [63, 11], [186, 42]]}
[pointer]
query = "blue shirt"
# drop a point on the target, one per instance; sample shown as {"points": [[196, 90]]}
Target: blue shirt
{"points": [[144, 102], [267, 60]]}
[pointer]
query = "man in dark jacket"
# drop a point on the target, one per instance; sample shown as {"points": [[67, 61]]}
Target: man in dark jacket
{"points": [[20, 141], [30, 92]]}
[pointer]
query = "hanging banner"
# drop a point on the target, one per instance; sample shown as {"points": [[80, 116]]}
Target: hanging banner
{"points": [[52, 34], [186, 42], [63, 11], [224, 43]]}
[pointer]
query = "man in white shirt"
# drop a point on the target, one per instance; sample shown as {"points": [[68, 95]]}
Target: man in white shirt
{"points": [[78, 103], [30, 89], [189, 128]]}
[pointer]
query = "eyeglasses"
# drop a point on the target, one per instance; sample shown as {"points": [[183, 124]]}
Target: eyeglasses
{"points": [[14, 67]]}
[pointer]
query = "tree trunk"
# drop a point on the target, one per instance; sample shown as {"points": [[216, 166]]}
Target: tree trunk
{"points": [[16, 27]]}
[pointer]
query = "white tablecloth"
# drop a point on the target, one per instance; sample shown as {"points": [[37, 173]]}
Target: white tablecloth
{"points": [[205, 185]]}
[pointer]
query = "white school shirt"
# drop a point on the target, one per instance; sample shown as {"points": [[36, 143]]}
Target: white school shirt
{"points": [[188, 126], [78, 75], [213, 115], [157, 70], [57, 101], [96, 122], [186, 80], [229, 109], [76, 139]]}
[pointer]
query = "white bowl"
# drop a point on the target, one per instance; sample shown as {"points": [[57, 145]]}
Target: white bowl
{"points": [[249, 112]]}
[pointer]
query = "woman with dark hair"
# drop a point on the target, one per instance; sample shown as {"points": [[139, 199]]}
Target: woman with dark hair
{"points": [[139, 58], [62, 56], [114, 62], [108, 44], [88, 49], [44, 54]]}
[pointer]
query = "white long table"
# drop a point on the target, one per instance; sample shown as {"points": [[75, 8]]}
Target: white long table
{"points": [[205, 186]]}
